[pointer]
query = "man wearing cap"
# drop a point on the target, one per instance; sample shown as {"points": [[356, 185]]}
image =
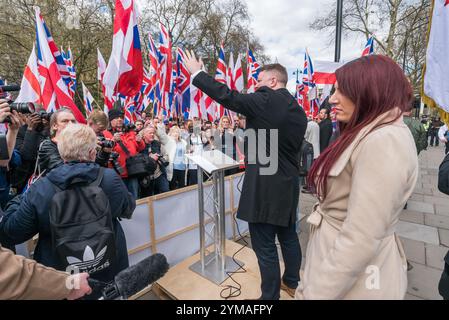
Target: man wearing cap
{"points": [[128, 144]]}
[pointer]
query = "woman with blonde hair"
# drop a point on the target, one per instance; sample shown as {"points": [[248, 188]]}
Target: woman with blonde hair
{"points": [[362, 181], [176, 148]]}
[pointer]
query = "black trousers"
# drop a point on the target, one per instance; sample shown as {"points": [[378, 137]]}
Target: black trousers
{"points": [[434, 138], [192, 177], [178, 180], [263, 237]]}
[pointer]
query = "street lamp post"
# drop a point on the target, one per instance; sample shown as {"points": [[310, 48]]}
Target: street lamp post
{"points": [[339, 30], [405, 55]]}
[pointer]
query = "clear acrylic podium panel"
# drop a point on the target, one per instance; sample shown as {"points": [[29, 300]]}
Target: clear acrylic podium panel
{"points": [[216, 266]]}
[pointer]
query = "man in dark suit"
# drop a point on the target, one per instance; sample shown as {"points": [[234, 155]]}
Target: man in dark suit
{"points": [[326, 128], [268, 201]]}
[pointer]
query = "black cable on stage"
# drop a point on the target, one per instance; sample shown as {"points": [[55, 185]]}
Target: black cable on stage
{"points": [[235, 291]]}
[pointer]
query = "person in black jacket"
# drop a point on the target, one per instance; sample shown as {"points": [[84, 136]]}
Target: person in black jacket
{"points": [[269, 197], [326, 128], [443, 186], [98, 121], [29, 138], [48, 155], [156, 182]]}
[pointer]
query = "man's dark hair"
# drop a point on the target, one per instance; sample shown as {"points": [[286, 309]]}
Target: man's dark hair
{"points": [[279, 69]]}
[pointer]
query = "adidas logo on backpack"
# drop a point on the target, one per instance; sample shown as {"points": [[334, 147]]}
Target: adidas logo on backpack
{"points": [[90, 261]]}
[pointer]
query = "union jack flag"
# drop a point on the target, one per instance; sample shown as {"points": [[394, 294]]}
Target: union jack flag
{"points": [[60, 63], [299, 95], [253, 70], [52, 71], [166, 67], [369, 48], [308, 72], [182, 85], [68, 59], [155, 92], [221, 76], [130, 111], [88, 100]]}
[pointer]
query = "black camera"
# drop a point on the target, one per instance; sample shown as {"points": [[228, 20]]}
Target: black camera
{"points": [[24, 107], [105, 143], [116, 164], [44, 115], [162, 161]]}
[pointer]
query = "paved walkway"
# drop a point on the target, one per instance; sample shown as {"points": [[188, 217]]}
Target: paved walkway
{"points": [[424, 228]]}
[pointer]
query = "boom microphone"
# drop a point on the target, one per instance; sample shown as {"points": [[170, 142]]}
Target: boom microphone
{"points": [[136, 278]]}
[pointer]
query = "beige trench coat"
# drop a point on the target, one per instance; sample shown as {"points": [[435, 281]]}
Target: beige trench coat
{"points": [[353, 251], [25, 279]]}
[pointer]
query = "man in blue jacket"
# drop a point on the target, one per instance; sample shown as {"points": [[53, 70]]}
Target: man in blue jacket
{"points": [[29, 214]]}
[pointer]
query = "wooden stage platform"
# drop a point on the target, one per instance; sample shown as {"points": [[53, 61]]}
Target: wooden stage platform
{"points": [[180, 283]]}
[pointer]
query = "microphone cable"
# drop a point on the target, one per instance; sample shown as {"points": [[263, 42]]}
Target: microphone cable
{"points": [[234, 291]]}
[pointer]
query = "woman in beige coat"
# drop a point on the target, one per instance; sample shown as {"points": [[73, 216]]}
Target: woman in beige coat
{"points": [[363, 182]]}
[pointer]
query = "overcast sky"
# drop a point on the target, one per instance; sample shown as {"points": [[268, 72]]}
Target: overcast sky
{"points": [[283, 28]]}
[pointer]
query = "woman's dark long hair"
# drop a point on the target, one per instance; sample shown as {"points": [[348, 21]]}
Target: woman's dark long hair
{"points": [[376, 85]]}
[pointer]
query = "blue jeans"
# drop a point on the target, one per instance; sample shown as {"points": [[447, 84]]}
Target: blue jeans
{"points": [[133, 186], [160, 185], [263, 242]]}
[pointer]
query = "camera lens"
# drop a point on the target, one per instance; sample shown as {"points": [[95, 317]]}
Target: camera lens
{"points": [[23, 107]]}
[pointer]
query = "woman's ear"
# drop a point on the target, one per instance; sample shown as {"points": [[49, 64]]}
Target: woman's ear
{"points": [[93, 154]]}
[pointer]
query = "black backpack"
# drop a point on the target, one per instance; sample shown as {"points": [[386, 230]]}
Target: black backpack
{"points": [[305, 158], [81, 227]]}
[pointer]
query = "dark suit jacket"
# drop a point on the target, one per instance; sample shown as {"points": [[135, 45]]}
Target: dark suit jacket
{"points": [[266, 199], [326, 131]]}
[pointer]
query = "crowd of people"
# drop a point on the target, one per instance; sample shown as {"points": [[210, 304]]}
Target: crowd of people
{"points": [[72, 184]]}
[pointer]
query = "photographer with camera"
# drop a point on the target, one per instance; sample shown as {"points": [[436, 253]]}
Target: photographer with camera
{"points": [[98, 121], [156, 182], [48, 155], [128, 145], [29, 138], [10, 156]]}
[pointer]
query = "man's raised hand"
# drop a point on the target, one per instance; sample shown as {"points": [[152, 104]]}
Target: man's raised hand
{"points": [[192, 64]]}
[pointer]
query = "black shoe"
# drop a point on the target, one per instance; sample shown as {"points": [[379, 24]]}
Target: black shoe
{"points": [[307, 191]]}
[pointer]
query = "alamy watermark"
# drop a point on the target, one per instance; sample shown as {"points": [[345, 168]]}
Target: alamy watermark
{"points": [[372, 282], [259, 147], [73, 282]]}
